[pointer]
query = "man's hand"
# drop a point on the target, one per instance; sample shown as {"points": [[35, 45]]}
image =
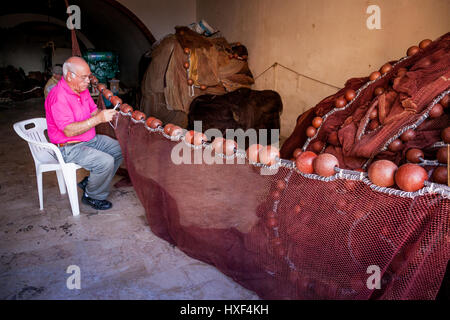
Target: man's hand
{"points": [[77, 128], [106, 115]]}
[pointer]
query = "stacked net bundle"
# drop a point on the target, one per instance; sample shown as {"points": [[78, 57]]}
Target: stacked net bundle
{"points": [[380, 109], [186, 65], [287, 234]]}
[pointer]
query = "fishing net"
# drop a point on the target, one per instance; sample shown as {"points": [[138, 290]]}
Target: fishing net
{"points": [[289, 235]]}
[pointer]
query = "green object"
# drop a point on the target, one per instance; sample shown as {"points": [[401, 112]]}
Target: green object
{"points": [[104, 64]]}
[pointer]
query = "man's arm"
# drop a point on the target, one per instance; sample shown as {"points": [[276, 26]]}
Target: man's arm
{"points": [[80, 127]]}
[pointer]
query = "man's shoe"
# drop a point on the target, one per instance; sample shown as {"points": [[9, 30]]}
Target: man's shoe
{"points": [[96, 204], [83, 183]]}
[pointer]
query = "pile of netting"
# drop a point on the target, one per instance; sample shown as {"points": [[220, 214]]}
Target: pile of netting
{"points": [[287, 234], [186, 65]]}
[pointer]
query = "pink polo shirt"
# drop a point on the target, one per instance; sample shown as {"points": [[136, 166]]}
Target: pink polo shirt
{"points": [[62, 107]]}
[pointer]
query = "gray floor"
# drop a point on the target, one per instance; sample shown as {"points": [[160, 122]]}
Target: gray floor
{"points": [[117, 254]]}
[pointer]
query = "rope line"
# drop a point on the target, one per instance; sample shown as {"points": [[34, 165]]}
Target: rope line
{"points": [[297, 73]]}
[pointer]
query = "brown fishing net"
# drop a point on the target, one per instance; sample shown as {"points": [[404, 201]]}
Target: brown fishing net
{"points": [[290, 235]]}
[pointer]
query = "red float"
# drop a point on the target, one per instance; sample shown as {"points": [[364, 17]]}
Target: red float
{"points": [[268, 155], [374, 75], [373, 114], [138, 115], [349, 95], [149, 120], [304, 162], [424, 43], [395, 145], [440, 175], [436, 111], [414, 155], [317, 146], [382, 173], [442, 155], [410, 177], [324, 164], [115, 100], [408, 135], [317, 122], [311, 131], [373, 124], [155, 123], [107, 93], [125, 108], [253, 152], [445, 101], [340, 102], [101, 87], [386, 68], [445, 135], [412, 50], [168, 128]]}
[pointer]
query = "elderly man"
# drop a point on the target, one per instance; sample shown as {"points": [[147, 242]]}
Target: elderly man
{"points": [[71, 119], [53, 81]]}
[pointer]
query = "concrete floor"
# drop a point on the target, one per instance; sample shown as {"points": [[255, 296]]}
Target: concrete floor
{"points": [[118, 255]]}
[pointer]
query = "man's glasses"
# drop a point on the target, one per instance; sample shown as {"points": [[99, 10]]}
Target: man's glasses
{"points": [[84, 78]]}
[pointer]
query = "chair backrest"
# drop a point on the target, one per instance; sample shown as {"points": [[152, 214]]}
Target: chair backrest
{"points": [[32, 131]]}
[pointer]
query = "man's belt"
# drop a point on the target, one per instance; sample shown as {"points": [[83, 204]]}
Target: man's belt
{"points": [[67, 143]]}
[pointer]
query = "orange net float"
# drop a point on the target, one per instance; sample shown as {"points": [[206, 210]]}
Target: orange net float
{"points": [[155, 123], [101, 87], [176, 131], [304, 162], [316, 122], [94, 80], [126, 108], [149, 120], [253, 152], [440, 175], [424, 43], [382, 173], [340, 102], [324, 164], [411, 177], [195, 138], [138, 115], [225, 146], [387, 67], [115, 100], [374, 75], [269, 155], [317, 146], [413, 155], [412, 51], [349, 95], [442, 155], [168, 128], [445, 135], [436, 111], [107, 94], [408, 135]]}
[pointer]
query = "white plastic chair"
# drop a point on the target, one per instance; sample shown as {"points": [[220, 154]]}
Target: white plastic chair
{"points": [[44, 154]]}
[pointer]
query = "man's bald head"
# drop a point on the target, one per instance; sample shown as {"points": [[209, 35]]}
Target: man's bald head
{"points": [[76, 73], [75, 64]]}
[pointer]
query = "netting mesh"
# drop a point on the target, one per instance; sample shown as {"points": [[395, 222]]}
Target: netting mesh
{"points": [[289, 235]]}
